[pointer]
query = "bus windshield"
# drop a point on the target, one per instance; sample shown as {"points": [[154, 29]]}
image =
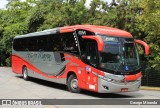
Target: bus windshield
{"points": [[119, 55]]}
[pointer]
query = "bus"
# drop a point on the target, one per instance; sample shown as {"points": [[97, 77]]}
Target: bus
{"points": [[95, 58]]}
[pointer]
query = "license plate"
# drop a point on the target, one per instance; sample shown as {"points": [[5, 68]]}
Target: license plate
{"points": [[124, 89]]}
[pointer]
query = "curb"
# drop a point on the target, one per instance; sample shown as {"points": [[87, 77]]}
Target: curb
{"points": [[150, 88]]}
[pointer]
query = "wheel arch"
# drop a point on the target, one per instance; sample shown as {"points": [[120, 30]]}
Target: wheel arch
{"points": [[70, 73], [70, 77]]}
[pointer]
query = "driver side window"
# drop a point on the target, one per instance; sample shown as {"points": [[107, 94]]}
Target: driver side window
{"points": [[91, 53]]}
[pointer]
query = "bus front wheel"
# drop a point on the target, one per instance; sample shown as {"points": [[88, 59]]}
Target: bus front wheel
{"points": [[25, 73], [72, 84]]}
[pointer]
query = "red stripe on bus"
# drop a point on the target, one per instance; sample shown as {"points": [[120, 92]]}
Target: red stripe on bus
{"points": [[133, 77]]}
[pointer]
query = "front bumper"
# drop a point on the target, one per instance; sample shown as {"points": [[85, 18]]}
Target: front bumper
{"points": [[115, 87]]}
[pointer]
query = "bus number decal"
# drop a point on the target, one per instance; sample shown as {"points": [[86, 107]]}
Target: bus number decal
{"points": [[81, 33]]}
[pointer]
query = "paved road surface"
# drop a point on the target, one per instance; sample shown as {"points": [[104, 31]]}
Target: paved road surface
{"points": [[12, 86]]}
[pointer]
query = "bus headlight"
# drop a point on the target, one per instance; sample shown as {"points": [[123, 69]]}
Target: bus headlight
{"points": [[109, 80], [105, 78]]}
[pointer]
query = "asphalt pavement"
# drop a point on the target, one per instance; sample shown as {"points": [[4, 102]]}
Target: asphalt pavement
{"points": [[12, 86]]}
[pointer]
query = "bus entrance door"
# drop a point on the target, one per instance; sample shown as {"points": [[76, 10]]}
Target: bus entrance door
{"points": [[92, 61]]}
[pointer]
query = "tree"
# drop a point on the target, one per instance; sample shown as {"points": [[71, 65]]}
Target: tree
{"points": [[140, 17], [13, 23], [150, 18]]}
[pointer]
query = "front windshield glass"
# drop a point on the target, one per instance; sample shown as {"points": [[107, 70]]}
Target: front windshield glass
{"points": [[119, 55], [131, 56]]}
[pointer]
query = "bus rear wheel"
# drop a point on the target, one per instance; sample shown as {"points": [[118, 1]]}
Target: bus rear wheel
{"points": [[72, 84], [25, 73]]}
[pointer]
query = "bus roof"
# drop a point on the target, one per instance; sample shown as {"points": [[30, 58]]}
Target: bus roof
{"points": [[100, 30], [45, 32], [109, 31]]}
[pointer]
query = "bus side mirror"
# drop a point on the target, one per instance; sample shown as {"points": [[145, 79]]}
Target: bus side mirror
{"points": [[145, 45], [97, 39]]}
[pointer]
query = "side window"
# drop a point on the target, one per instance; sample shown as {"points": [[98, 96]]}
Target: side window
{"points": [[16, 44], [20, 44], [38, 43], [69, 43], [32, 44], [64, 42], [24, 44], [83, 42], [91, 54], [42, 44], [54, 42]]}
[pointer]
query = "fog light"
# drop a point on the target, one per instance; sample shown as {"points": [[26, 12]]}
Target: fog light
{"points": [[105, 87]]}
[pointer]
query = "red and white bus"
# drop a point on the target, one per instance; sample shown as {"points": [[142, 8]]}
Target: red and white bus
{"points": [[95, 58]]}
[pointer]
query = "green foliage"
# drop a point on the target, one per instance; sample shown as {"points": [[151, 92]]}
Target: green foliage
{"points": [[140, 17], [150, 19]]}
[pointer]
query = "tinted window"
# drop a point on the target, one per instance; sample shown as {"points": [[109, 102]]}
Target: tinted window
{"points": [[83, 42], [32, 44], [92, 53], [20, 44], [69, 43], [38, 43], [55, 43], [65, 42]]}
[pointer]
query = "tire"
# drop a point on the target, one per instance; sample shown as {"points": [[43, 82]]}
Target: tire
{"points": [[72, 84], [25, 73]]}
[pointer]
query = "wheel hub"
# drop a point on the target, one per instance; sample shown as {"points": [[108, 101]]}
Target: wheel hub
{"points": [[25, 74], [74, 84]]}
